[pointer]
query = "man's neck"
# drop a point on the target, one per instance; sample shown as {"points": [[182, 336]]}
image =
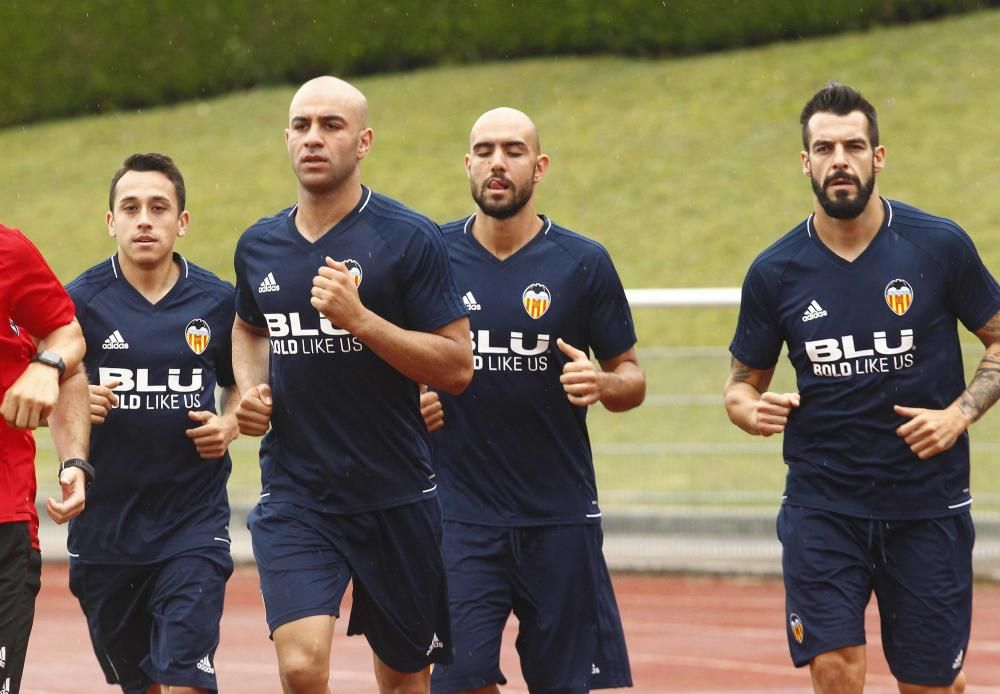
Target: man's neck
{"points": [[153, 282], [505, 237], [849, 238], [320, 212]]}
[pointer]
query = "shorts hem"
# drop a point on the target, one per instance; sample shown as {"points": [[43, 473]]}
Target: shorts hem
{"points": [[290, 617], [414, 665], [462, 685], [805, 660], [621, 681], [921, 681]]}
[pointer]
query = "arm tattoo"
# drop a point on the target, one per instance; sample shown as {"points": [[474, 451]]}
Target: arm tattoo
{"points": [[739, 371], [984, 389]]}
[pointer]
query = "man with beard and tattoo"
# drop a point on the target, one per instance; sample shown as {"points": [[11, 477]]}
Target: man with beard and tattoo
{"points": [[866, 293], [516, 475]]}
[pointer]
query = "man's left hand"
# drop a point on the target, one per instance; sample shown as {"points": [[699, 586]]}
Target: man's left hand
{"points": [[929, 432], [579, 377], [214, 435], [73, 482]]}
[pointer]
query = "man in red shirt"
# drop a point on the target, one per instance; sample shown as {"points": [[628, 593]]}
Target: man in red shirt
{"points": [[40, 385]]}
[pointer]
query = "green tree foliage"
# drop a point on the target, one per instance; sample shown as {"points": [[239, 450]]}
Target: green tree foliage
{"points": [[66, 59]]}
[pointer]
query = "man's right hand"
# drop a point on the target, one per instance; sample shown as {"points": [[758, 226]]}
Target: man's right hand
{"points": [[431, 409], [28, 403], [254, 412], [772, 411], [102, 401]]}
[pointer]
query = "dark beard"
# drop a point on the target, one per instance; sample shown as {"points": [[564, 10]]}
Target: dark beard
{"points": [[502, 211], [844, 207]]}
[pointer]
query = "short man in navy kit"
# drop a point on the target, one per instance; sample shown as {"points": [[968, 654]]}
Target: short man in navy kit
{"points": [[522, 520], [346, 301], [149, 558], [866, 294]]}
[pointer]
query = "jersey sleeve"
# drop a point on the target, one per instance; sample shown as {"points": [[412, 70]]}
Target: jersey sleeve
{"points": [[246, 301], [37, 299], [974, 294], [610, 327], [431, 294], [757, 342]]}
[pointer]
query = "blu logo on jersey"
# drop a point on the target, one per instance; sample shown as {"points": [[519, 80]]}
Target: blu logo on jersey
{"points": [[496, 353], [138, 380], [482, 343], [290, 325], [841, 357], [181, 391]]}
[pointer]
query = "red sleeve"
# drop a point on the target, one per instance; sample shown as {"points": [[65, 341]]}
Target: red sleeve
{"points": [[36, 298]]}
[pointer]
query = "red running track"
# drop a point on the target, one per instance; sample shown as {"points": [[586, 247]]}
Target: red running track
{"points": [[685, 634]]}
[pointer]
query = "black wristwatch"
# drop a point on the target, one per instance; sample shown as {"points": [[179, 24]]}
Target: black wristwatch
{"points": [[88, 469], [50, 358]]}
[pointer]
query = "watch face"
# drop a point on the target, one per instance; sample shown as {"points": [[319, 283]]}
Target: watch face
{"points": [[51, 359]]}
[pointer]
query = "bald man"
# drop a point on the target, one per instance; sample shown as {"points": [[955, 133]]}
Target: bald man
{"points": [[522, 522], [345, 302]]}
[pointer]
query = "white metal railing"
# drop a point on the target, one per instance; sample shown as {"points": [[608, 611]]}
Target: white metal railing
{"points": [[702, 296]]}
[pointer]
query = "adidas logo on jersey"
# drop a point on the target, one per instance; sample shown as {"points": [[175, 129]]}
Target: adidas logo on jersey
{"points": [[268, 284], [115, 341], [5, 687], [435, 643], [205, 665], [470, 302], [594, 670], [813, 311], [3, 656]]}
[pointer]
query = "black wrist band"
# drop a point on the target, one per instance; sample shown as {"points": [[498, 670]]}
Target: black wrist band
{"points": [[88, 469]]}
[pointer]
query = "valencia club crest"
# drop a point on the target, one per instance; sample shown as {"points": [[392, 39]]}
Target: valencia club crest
{"points": [[198, 334], [536, 300], [899, 296], [354, 270]]}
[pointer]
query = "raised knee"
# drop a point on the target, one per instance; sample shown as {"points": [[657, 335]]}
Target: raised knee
{"points": [[303, 675], [838, 671]]}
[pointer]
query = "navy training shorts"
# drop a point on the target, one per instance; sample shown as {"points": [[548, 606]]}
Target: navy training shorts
{"points": [[920, 571], [20, 580], [555, 580], [155, 622], [306, 558]]}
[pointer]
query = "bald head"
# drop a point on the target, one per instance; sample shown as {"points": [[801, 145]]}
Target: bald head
{"points": [[502, 124], [331, 94]]}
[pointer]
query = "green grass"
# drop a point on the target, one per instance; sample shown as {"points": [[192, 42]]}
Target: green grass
{"points": [[684, 169]]}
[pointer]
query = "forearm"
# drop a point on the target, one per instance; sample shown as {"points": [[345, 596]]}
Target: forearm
{"points": [[741, 405], [984, 388], [66, 341], [251, 351], [70, 419], [441, 360], [623, 388], [229, 401]]}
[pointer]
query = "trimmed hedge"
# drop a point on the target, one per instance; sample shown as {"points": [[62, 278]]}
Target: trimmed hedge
{"points": [[67, 59]]}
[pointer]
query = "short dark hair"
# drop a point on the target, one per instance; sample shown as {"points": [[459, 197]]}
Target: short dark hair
{"points": [[839, 99], [150, 162]]}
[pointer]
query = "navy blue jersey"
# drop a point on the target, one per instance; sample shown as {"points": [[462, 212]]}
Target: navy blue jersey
{"points": [[514, 450], [346, 431], [154, 496], [864, 336]]}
